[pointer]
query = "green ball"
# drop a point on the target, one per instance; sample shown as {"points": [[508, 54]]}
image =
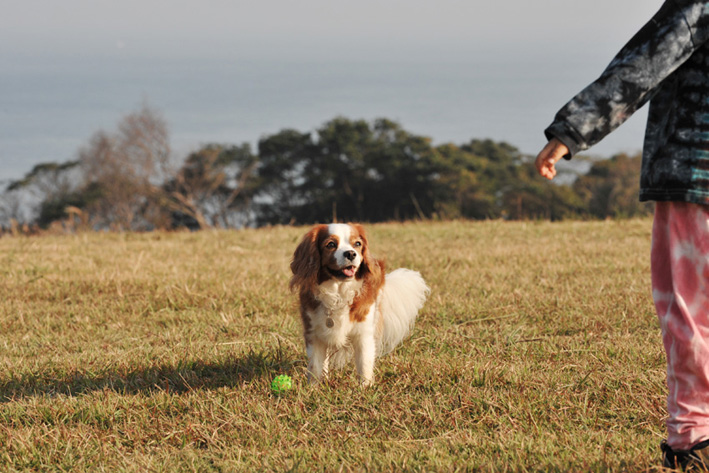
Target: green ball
{"points": [[281, 384]]}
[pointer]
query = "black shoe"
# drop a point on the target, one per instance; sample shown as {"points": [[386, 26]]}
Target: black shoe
{"points": [[694, 459]]}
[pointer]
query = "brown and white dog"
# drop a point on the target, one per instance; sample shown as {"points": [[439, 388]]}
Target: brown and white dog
{"points": [[348, 306]]}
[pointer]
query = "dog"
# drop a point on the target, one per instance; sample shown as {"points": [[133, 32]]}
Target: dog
{"points": [[348, 306]]}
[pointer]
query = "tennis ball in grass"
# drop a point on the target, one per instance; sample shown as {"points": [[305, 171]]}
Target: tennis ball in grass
{"points": [[281, 384]]}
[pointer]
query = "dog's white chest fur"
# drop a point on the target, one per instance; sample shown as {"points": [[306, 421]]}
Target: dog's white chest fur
{"points": [[331, 320]]}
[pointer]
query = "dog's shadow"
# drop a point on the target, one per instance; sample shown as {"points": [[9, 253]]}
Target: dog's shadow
{"points": [[180, 377]]}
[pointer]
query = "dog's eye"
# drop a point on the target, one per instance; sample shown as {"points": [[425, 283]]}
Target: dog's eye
{"points": [[331, 245], [358, 244]]}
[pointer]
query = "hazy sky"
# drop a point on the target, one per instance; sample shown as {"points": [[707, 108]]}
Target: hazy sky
{"points": [[306, 28], [565, 43]]}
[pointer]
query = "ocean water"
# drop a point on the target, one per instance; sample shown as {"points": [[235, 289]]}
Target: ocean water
{"points": [[50, 106]]}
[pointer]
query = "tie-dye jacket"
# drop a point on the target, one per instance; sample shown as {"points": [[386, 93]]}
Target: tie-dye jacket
{"points": [[666, 62]]}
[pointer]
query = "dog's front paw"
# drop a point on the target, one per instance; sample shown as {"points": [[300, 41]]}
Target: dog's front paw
{"points": [[312, 379]]}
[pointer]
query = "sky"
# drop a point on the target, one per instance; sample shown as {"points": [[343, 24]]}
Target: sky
{"points": [[232, 71]]}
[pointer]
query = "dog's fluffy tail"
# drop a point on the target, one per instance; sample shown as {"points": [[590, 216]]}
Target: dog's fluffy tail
{"points": [[403, 295]]}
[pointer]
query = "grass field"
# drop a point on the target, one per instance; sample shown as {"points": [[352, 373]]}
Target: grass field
{"points": [[538, 350]]}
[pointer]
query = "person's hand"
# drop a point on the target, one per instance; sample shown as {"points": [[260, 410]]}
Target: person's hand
{"points": [[549, 156]]}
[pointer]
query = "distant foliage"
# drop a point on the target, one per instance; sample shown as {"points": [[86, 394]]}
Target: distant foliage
{"points": [[345, 170], [610, 188]]}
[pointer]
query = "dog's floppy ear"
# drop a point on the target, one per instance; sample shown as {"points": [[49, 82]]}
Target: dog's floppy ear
{"points": [[306, 260]]}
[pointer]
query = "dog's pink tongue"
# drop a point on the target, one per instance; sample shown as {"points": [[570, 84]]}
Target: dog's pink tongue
{"points": [[349, 272]]}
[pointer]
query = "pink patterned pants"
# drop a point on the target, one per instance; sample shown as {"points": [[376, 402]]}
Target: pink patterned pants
{"points": [[680, 289]]}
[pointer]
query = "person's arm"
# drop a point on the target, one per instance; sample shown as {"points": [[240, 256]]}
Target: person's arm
{"points": [[657, 50]]}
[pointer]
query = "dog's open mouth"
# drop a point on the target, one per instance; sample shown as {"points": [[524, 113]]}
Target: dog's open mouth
{"points": [[345, 273]]}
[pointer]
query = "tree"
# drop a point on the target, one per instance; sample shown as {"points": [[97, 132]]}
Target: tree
{"points": [[279, 193], [461, 187], [67, 205], [611, 187], [349, 170], [24, 200], [531, 198], [407, 167], [128, 168], [11, 208], [213, 187], [335, 178]]}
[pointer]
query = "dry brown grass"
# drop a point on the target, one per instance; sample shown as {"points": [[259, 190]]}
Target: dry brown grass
{"points": [[537, 351]]}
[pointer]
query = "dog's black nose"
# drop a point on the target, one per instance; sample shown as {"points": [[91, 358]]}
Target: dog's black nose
{"points": [[350, 255]]}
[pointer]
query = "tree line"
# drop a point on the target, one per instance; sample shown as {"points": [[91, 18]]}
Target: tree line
{"points": [[346, 170]]}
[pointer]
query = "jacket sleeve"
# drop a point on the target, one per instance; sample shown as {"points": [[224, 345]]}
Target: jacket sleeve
{"points": [[657, 50]]}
